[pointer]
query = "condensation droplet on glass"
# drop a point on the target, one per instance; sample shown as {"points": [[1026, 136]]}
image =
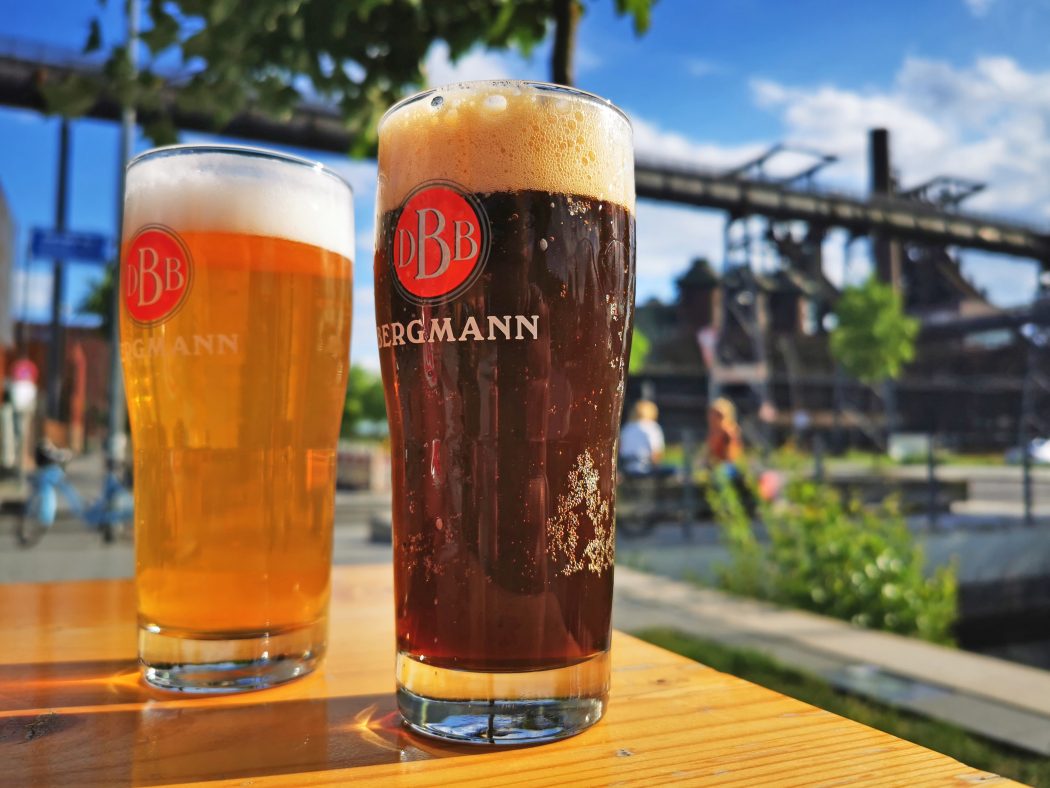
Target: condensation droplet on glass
{"points": [[436, 102], [543, 244]]}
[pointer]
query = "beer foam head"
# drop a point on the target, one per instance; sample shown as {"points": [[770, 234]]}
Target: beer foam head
{"points": [[241, 190], [507, 136]]}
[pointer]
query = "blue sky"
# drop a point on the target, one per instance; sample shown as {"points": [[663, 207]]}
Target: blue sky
{"points": [[963, 84]]}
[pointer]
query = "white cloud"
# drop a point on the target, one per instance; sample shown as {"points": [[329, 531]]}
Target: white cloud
{"points": [[699, 67], [1013, 282], [476, 64], [359, 173], [847, 259], [653, 142], [979, 8], [989, 121], [365, 242], [837, 121], [669, 238], [587, 60], [364, 351]]}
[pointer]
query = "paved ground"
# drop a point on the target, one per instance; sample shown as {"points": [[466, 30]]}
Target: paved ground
{"points": [[1001, 700], [995, 491], [70, 551]]}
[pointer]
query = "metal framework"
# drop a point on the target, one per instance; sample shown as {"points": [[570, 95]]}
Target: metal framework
{"points": [[23, 69], [926, 215]]}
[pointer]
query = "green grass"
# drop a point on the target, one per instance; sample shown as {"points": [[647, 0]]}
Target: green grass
{"points": [[943, 458], [951, 458], [635, 559], [673, 455], [788, 458], [954, 742]]}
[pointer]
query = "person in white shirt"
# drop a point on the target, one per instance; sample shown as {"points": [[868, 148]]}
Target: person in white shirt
{"points": [[641, 440]]}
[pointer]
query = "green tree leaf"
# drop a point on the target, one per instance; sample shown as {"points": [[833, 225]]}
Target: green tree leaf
{"points": [[268, 55], [94, 39], [640, 346], [874, 337], [99, 299], [640, 12], [365, 400], [69, 96]]}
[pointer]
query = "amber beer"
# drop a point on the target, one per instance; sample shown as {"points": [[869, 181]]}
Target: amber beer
{"points": [[504, 278], [235, 328]]}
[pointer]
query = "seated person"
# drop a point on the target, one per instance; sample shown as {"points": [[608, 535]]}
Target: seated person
{"points": [[724, 446], [642, 442]]}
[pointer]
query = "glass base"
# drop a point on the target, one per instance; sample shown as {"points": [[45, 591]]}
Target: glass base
{"points": [[502, 708], [211, 662]]}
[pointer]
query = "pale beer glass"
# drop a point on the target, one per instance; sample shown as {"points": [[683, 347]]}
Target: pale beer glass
{"points": [[504, 276], [235, 294]]}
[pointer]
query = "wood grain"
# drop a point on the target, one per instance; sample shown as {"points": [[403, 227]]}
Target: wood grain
{"points": [[73, 712]]}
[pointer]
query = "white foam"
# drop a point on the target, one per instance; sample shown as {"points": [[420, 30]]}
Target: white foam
{"points": [[507, 136], [209, 191]]}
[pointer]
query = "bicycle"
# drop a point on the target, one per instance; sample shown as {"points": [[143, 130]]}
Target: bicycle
{"points": [[112, 509]]}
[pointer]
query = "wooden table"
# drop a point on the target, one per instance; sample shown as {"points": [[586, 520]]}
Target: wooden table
{"points": [[73, 712]]}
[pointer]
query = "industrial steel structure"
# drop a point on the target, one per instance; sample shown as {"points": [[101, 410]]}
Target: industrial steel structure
{"points": [[768, 321]]}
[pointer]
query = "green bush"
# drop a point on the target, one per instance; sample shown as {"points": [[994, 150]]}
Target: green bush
{"points": [[874, 337], [365, 402], [842, 560]]}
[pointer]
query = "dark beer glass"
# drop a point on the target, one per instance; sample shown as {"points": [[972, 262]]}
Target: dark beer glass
{"points": [[504, 281]]}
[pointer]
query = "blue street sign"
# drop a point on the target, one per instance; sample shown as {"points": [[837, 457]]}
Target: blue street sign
{"points": [[69, 245]]}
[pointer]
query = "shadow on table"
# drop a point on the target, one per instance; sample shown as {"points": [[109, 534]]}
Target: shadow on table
{"points": [[48, 685], [160, 744]]}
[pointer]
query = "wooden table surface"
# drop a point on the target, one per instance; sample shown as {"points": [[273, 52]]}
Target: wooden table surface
{"points": [[73, 712]]}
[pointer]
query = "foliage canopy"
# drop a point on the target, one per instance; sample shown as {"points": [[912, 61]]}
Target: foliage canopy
{"points": [[640, 346], [365, 401], [874, 337], [227, 57]]}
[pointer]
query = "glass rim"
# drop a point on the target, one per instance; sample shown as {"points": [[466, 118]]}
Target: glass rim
{"points": [[245, 151], [527, 84]]}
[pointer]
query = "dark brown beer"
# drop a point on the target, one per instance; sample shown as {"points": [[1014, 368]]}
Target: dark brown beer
{"points": [[504, 279], [505, 525]]}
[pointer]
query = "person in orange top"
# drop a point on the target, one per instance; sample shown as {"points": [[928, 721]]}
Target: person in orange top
{"points": [[724, 446]]}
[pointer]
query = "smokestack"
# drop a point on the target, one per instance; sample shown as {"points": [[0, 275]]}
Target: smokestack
{"points": [[887, 252], [879, 146]]}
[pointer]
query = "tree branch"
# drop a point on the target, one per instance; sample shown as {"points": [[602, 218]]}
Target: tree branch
{"points": [[566, 19]]}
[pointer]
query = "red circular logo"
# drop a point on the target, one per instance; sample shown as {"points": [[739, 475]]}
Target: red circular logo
{"points": [[156, 274], [440, 243]]}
